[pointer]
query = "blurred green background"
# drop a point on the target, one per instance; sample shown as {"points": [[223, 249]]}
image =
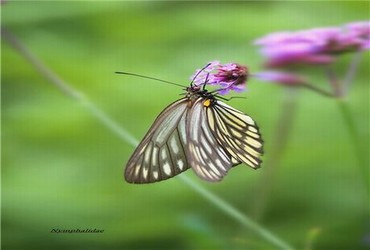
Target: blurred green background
{"points": [[61, 168]]}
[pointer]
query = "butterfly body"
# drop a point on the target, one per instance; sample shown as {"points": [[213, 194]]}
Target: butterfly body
{"points": [[199, 132], [195, 92]]}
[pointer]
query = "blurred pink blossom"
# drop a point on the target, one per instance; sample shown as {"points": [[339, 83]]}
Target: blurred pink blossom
{"points": [[314, 46]]}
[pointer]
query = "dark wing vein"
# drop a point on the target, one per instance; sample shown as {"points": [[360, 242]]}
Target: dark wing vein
{"points": [[237, 133], [206, 156], [160, 155]]}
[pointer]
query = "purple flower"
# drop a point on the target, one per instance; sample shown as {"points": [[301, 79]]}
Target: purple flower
{"points": [[202, 75], [230, 76], [314, 46]]}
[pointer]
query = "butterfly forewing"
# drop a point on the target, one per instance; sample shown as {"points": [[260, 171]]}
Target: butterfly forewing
{"points": [[205, 155], [236, 132], [160, 155]]}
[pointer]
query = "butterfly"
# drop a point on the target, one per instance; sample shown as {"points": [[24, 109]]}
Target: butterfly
{"points": [[200, 132]]}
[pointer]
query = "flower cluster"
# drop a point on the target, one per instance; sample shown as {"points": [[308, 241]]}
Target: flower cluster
{"points": [[285, 50], [314, 46], [230, 76]]}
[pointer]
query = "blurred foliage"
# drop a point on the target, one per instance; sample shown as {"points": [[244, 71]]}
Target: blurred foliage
{"points": [[62, 169]]}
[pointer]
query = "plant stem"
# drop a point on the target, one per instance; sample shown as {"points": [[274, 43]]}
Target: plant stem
{"points": [[360, 151], [334, 82], [282, 132], [348, 119], [65, 88], [316, 89], [236, 214], [348, 79], [123, 134]]}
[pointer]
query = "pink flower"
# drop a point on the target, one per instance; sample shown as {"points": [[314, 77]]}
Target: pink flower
{"points": [[314, 46], [230, 76]]}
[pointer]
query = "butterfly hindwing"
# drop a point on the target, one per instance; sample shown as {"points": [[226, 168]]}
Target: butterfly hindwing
{"points": [[160, 155], [236, 132]]}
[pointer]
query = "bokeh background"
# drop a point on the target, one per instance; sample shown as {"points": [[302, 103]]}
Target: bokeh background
{"points": [[61, 168]]}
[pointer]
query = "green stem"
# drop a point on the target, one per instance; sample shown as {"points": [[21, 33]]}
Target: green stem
{"points": [[348, 79], [318, 90], [361, 155], [282, 132], [123, 134], [236, 214], [355, 138], [334, 82]]}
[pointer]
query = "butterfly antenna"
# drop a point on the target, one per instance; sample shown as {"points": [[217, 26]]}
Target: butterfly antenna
{"points": [[149, 77], [196, 75], [205, 81], [216, 90], [233, 97]]}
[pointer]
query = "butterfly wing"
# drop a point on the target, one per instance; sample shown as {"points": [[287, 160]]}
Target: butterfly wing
{"points": [[236, 132], [160, 155], [206, 156]]}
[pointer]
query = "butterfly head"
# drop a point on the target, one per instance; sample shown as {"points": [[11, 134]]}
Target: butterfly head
{"points": [[194, 92]]}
